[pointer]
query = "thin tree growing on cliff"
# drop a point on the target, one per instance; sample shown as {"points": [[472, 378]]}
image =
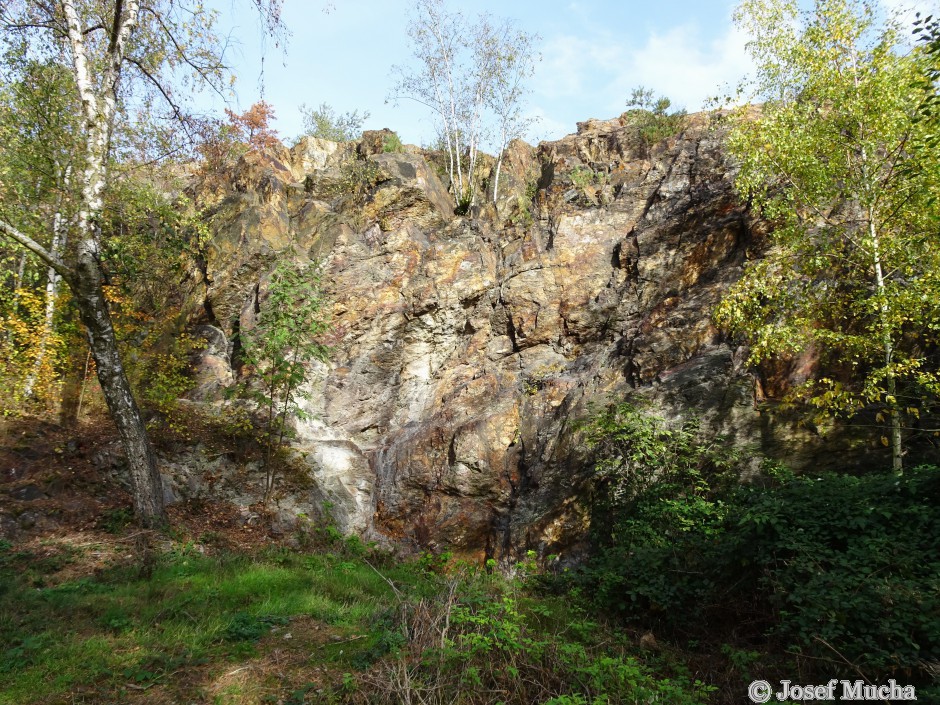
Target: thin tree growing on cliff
{"points": [[119, 52], [465, 70], [513, 56], [827, 160], [279, 348]]}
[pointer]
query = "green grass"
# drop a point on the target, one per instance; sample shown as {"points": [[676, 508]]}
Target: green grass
{"points": [[292, 627], [116, 628]]}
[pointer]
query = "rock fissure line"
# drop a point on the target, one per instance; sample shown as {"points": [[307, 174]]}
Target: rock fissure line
{"points": [[467, 351]]}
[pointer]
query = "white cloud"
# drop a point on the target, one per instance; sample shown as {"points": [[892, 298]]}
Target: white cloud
{"points": [[545, 127], [571, 64], [599, 71], [681, 65]]}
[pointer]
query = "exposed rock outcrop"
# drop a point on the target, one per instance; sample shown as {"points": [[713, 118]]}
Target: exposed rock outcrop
{"points": [[466, 349]]}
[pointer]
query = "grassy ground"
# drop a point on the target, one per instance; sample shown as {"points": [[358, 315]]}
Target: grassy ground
{"points": [[80, 624], [214, 628], [225, 612]]}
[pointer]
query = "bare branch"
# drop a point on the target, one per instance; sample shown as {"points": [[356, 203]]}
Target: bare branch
{"points": [[177, 111], [201, 70]]}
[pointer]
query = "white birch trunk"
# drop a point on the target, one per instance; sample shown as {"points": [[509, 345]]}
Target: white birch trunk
{"points": [[499, 163], [59, 241], [897, 460], [87, 275]]}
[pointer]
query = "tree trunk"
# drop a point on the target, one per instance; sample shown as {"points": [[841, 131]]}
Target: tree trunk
{"points": [[897, 449], [59, 235], [145, 478], [99, 100], [499, 164], [72, 383]]}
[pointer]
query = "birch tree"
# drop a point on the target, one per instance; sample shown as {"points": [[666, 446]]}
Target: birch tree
{"points": [[853, 271], [124, 56], [472, 76], [511, 56], [37, 160]]}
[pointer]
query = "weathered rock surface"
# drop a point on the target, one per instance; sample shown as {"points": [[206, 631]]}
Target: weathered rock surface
{"points": [[465, 350]]}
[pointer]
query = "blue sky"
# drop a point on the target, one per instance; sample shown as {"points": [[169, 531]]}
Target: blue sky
{"points": [[593, 53]]}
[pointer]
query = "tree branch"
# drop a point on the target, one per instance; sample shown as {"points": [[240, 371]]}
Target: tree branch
{"points": [[37, 249], [177, 112], [201, 71], [116, 27]]}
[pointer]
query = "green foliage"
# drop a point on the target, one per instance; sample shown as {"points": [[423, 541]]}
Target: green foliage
{"points": [[525, 202], [152, 240], [114, 521], [657, 488], [537, 379], [849, 565], [160, 371], [324, 122], [376, 630], [392, 143], [644, 464], [483, 634], [279, 348], [583, 176], [838, 571], [357, 177], [39, 163], [651, 119], [522, 215], [251, 627], [927, 31], [828, 161], [464, 201], [39, 156]]}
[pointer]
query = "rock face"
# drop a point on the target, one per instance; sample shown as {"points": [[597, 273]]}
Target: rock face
{"points": [[465, 350]]}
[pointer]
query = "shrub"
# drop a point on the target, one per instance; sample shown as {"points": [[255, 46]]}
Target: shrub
{"points": [[253, 126], [839, 572], [850, 566], [278, 349], [482, 639], [582, 177], [392, 143], [650, 117], [324, 122]]}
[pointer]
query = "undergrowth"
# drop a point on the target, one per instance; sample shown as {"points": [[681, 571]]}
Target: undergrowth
{"points": [[341, 624], [809, 577]]}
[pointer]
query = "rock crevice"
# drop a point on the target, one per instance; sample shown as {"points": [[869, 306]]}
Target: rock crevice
{"points": [[466, 350]]}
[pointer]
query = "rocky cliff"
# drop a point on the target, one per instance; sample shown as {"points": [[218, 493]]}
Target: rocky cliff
{"points": [[466, 349]]}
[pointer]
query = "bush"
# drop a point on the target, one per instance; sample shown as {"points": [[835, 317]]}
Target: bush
{"points": [[836, 572], [650, 117], [278, 351], [392, 143], [324, 122], [850, 565], [482, 639]]}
